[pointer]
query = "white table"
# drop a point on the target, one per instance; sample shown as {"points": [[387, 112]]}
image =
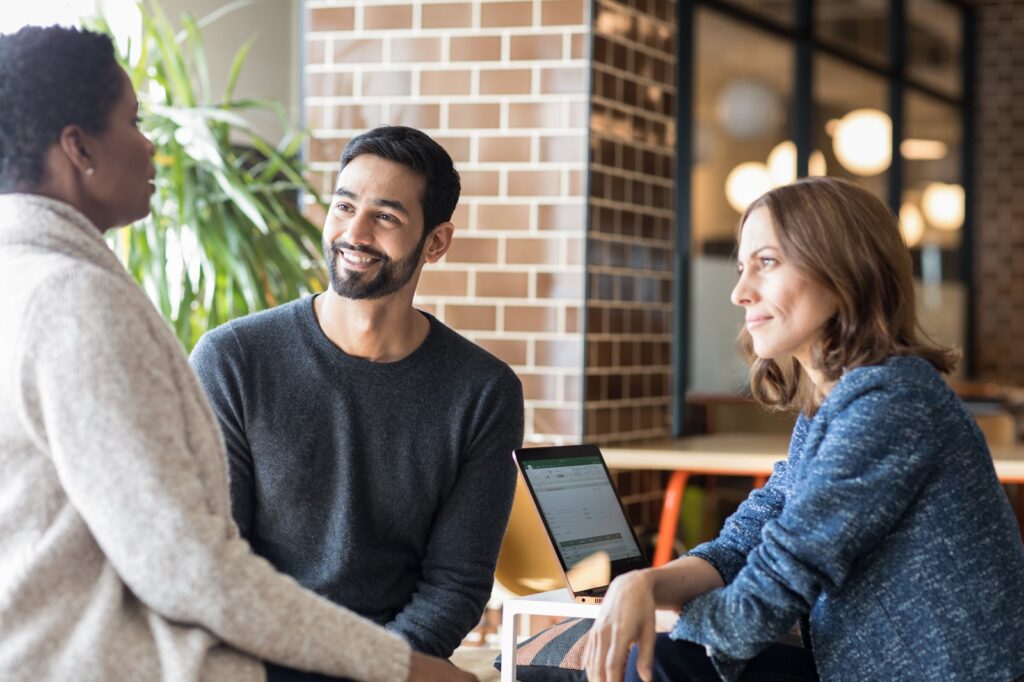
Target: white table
{"points": [[515, 613], [515, 616]]}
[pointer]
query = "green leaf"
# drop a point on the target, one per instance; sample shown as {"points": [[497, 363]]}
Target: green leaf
{"points": [[236, 69]]}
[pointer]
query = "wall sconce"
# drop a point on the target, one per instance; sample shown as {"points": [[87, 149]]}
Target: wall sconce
{"points": [[944, 205], [862, 141], [923, 150], [911, 223], [747, 182]]}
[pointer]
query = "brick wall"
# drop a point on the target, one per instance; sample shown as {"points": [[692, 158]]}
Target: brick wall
{"points": [[999, 192], [630, 240], [504, 87], [631, 235]]}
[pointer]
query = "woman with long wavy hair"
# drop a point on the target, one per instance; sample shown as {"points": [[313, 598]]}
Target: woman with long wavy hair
{"points": [[885, 533]]}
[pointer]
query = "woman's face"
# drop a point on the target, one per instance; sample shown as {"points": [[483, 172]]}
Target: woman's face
{"points": [[119, 189], [785, 310]]}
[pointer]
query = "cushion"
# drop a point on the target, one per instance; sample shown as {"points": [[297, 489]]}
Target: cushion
{"points": [[554, 654]]}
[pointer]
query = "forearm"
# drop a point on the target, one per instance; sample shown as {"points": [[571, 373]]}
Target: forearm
{"points": [[676, 583]]}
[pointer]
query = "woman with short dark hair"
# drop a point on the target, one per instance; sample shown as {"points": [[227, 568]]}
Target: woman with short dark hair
{"points": [[119, 559], [885, 533]]}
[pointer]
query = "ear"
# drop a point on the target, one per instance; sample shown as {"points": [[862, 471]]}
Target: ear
{"points": [[438, 243], [75, 143]]}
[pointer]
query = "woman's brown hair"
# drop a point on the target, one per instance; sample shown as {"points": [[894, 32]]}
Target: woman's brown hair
{"points": [[844, 238]]}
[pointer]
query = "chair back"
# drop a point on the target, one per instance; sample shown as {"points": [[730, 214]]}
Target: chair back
{"points": [[527, 563]]}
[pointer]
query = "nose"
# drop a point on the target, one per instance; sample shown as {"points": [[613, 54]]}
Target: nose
{"points": [[359, 229], [743, 293]]}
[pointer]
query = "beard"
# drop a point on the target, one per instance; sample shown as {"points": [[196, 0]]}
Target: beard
{"points": [[391, 276]]}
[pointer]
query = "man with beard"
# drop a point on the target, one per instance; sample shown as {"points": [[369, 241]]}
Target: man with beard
{"points": [[369, 444]]}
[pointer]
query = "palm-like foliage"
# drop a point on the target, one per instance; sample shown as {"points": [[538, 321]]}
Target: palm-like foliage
{"points": [[226, 235]]}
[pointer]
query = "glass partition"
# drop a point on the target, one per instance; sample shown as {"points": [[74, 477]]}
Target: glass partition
{"points": [[935, 45], [857, 26], [780, 11], [932, 212], [742, 121], [850, 126]]}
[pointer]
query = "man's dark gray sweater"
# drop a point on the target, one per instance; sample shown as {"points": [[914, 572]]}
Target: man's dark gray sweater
{"points": [[385, 487]]}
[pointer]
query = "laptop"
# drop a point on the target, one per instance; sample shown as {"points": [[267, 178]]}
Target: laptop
{"points": [[583, 516]]}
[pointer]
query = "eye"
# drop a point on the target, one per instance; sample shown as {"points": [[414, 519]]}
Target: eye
{"points": [[387, 218], [343, 207], [767, 262]]}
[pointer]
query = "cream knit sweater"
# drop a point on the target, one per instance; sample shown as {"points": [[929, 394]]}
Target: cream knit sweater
{"points": [[118, 556]]}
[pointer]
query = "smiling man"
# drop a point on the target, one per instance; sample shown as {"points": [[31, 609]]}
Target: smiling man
{"points": [[370, 445]]}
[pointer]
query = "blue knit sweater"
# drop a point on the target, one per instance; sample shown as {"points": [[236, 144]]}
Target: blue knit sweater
{"points": [[888, 527]]}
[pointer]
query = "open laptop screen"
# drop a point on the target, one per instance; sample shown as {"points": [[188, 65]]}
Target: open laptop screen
{"points": [[581, 511]]}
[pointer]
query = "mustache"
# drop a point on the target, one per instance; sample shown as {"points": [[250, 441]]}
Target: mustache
{"points": [[342, 244]]}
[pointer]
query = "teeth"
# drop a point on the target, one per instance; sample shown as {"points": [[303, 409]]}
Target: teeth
{"points": [[357, 259]]}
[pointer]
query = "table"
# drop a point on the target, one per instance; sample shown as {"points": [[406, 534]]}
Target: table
{"points": [[553, 603], [742, 454]]}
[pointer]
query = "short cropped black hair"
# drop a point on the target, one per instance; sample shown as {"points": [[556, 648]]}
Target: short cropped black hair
{"points": [[51, 78], [417, 151]]}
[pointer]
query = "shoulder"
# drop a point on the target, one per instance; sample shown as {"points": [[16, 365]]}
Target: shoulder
{"points": [[459, 352], [901, 383], [250, 333], [90, 300]]}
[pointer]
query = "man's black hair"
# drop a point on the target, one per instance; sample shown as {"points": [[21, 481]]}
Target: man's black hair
{"points": [[51, 78], [417, 151]]}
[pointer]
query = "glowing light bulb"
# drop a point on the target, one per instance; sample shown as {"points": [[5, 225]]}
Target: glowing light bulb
{"points": [[782, 163], [816, 165], [944, 205], [911, 223], [745, 183], [863, 141]]}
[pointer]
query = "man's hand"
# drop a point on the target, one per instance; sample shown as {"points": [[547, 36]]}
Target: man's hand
{"points": [[627, 616], [423, 668]]}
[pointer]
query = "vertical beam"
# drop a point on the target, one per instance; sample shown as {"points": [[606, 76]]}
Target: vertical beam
{"points": [[969, 46], [897, 73], [684, 213], [803, 86]]}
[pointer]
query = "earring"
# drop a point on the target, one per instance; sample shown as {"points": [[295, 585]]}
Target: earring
{"points": [[90, 171]]}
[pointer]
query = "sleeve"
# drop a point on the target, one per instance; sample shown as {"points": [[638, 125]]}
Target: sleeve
{"points": [[458, 569], [741, 532], [219, 365], [853, 489], [105, 390]]}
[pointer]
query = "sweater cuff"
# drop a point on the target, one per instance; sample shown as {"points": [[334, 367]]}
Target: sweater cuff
{"points": [[391, 661], [717, 559]]}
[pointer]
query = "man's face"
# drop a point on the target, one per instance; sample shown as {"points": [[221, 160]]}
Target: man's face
{"points": [[374, 234]]}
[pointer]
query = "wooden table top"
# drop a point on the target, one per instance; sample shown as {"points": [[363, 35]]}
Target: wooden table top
{"points": [[741, 454]]}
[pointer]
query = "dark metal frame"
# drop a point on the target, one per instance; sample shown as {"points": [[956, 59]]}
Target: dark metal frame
{"points": [[807, 46]]}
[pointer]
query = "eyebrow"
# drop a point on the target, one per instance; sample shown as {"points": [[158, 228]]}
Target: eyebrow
{"points": [[386, 203], [753, 254]]}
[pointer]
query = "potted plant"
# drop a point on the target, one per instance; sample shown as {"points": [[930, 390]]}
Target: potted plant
{"points": [[226, 235]]}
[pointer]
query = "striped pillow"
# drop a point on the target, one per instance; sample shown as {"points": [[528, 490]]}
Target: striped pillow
{"points": [[554, 654]]}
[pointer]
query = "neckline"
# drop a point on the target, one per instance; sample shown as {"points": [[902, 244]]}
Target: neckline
{"points": [[337, 355]]}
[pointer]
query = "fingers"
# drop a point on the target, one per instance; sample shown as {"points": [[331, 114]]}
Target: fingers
{"points": [[645, 651], [594, 654], [605, 654], [615, 659]]}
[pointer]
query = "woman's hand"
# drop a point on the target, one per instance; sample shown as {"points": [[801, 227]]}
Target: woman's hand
{"points": [[627, 616], [423, 668]]}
